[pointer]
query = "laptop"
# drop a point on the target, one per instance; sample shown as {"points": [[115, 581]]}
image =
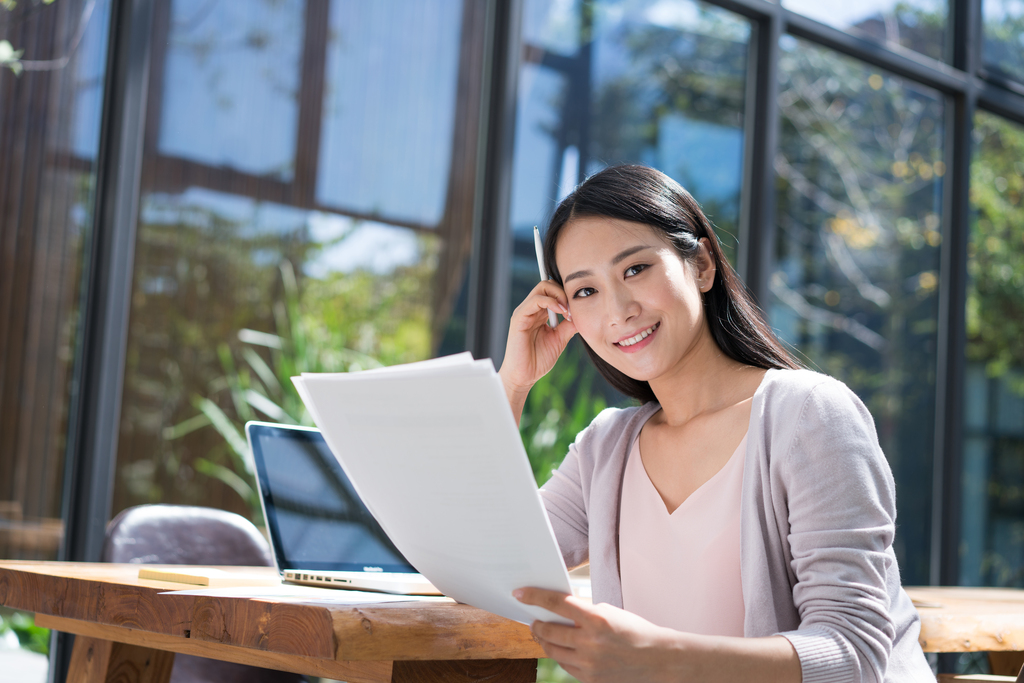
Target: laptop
{"points": [[321, 532]]}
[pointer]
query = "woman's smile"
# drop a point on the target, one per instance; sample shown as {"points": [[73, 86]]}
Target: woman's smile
{"points": [[634, 343]]}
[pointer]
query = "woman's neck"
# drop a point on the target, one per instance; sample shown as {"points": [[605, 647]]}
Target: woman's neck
{"points": [[706, 381]]}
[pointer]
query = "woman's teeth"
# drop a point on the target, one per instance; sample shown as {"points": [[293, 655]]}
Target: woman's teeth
{"points": [[639, 337]]}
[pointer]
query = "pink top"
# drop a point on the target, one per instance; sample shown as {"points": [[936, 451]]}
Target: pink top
{"points": [[682, 570]]}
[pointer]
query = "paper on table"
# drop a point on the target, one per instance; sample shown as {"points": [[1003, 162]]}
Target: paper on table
{"points": [[436, 457], [291, 593]]}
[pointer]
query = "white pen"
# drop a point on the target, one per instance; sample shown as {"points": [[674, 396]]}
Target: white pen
{"points": [[552, 319]]}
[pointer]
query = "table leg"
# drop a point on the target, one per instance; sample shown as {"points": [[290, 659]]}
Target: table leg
{"points": [[103, 661], [1006, 663], [465, 671]]}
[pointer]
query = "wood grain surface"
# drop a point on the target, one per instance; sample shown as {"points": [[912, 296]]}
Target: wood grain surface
{"points": [[113, 595], [353, 672], [359, 642], [969, 619]]}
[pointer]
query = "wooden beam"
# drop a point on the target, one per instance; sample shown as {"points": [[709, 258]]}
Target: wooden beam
{"points": [[102, 661], [93, 658]]}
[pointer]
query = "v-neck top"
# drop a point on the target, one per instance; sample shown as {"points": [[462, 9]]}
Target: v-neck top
{"points": [[682, 570]]}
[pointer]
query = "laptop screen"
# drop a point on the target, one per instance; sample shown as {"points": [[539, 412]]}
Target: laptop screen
{"points": [[315, 519]]}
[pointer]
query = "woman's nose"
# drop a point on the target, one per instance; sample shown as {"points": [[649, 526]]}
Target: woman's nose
{"points": [[623, 306]]}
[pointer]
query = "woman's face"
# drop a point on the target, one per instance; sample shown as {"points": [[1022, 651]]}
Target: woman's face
{"points": [[633, 299]]}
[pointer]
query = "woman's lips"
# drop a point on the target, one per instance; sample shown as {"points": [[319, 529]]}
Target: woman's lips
{"points": [[639, 340]]}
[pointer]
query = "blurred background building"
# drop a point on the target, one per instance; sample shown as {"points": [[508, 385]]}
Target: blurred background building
{"points": [[200, 198]]}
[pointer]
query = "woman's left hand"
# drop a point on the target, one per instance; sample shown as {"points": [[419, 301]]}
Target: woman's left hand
{"points": [[607, 643]]}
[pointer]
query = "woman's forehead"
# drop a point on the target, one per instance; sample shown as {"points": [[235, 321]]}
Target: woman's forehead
{"points": [[592, 235]]}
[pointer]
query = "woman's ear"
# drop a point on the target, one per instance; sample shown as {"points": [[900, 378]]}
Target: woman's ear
{"points": [[706, 266]]}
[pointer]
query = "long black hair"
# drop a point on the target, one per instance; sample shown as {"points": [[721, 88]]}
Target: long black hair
{"points": [[646, 195]]}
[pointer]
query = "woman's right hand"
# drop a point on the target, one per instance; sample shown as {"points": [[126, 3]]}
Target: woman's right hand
{"points": [[533, 346]]}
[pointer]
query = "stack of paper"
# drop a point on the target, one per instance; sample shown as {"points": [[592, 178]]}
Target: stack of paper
{"points": [[433, 450]]}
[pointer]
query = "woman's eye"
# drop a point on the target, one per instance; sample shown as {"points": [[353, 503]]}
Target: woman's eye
{"points": [[583, 292], [634, 270]]}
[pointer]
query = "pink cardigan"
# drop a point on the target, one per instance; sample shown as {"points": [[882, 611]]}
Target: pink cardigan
{"points": [[817, 522]]}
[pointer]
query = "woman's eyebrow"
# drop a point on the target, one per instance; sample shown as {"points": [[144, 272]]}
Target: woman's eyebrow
{"points": [[621, 256], [626, 253]]}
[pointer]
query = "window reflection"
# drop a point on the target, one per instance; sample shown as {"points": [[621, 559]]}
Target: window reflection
{"points": [[658, 82], [231, 71], [49, 145], [918, 25], [389, 108], [1002, 49], [306, 205], [652, 81], [992, 526], [855, 288]]}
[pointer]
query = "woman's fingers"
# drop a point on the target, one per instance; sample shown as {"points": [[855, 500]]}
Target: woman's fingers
{"points": [[565, 656], [562, 604], [535, 308]]}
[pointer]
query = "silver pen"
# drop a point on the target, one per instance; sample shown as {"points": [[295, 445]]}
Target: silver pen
{"points": [[539, 246]]}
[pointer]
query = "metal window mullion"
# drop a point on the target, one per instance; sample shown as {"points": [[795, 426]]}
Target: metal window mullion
{"points": [[490, 265], [95, 406], [316, 25], [998, 100], [907, 64], [95, 411], [952, 335], [761, 133]]}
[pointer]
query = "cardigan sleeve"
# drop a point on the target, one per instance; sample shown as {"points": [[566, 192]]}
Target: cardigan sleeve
{"points": [[842, 511], [563, 499]]}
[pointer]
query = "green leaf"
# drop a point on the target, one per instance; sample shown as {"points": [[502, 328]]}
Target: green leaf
{"points": [[256, 338], [226, 429], [268, 407], [228, 477], [30, 636], [187, 427], [261, 369]]}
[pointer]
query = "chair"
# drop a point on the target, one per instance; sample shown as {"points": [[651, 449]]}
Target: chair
{"points": [[183, 534]]}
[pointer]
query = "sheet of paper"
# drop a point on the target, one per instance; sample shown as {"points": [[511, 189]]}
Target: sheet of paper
{"points": [[437, 458], [291, 593], [455, 359]]}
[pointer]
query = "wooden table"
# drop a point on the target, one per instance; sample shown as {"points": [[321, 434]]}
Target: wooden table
{"points": [[126, 631], [126, 627], [973, 620]]}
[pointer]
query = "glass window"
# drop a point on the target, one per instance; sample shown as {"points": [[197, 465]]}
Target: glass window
{"points": [[918, 25], [1003, 43], [658, 82], [992, 523], [652, 82], [232, 71], [855, 286], [293, 217], [393, 139], [49, 147]]}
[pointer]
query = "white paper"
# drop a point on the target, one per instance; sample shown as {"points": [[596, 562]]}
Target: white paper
{"points": [[292, 593], [436, 456]]}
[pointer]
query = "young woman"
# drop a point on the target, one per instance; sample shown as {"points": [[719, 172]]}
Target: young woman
{"points": [[739, 522]]}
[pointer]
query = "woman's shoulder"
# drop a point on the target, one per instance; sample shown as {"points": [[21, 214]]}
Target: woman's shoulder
{"points": [[614, 421], [800, 386], [813, 404], [611, 430]]}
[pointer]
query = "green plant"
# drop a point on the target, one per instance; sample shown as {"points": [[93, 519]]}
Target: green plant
{"points": [[559, 406], [30, 636], [257, 381], [10, 57], [548, 671]]}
